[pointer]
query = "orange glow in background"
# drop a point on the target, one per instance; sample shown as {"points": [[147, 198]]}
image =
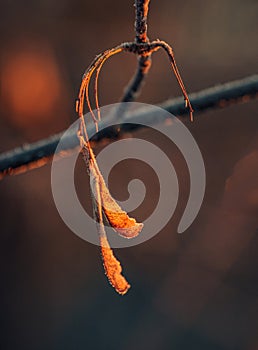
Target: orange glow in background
{"points": [[31, 86]]}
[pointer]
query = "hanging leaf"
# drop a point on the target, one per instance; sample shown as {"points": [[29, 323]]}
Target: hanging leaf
{"points": [[117, 218], [112, 266]]}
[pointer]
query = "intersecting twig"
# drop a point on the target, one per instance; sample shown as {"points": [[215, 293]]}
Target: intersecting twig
{"points": [[37, 154], [134, 86], [141, 47]]}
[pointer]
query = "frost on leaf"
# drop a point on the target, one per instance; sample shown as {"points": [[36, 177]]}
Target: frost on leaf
{"points": [[113, 267], [117, 218], [102, 201]]}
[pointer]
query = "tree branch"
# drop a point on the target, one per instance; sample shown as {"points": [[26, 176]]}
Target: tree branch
{"points": [[37, 154], [134, 86]]}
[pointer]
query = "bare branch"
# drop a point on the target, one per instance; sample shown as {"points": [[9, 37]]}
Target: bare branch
{"points": [[134, 86], [141, 14], [37, 154]]}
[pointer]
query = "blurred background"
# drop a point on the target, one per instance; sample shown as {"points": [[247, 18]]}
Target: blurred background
{"points": [[198, 290]]}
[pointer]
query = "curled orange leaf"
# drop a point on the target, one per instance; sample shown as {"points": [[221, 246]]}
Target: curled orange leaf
{"points": [[118, 219], [112, 266]]}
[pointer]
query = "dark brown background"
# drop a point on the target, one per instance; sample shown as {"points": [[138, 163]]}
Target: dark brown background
{"points": [[194, 291]]}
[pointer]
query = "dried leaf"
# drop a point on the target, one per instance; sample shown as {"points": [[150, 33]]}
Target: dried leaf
{"points": [[111, 265], [118, 219]]}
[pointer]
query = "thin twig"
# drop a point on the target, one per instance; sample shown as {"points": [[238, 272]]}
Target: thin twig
{"points": [[37, 154], [143, 48], [135, 85], [144, 61], [141, 14]]}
